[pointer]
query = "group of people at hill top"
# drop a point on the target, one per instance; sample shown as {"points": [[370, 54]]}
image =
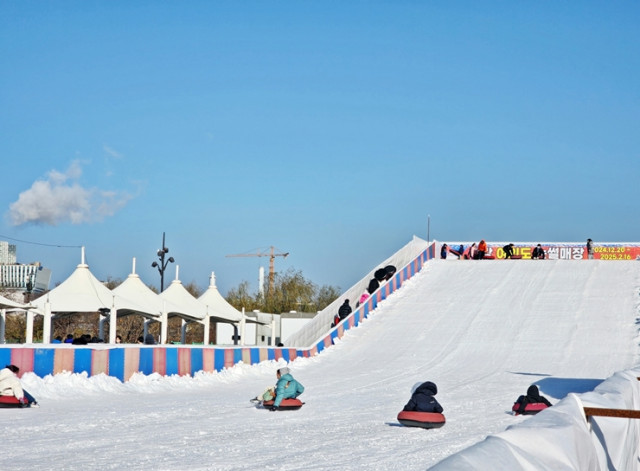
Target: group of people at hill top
{"points": [[477, 253], [472, 252]]}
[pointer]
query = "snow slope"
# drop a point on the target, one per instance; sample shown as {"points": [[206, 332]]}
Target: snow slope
{"points": [[483, 331]]}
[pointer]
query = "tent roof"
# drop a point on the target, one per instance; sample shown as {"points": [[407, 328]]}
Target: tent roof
{"points": [[8, 303], [134, 288], [189, 306], [83, 292], [218, 306]]}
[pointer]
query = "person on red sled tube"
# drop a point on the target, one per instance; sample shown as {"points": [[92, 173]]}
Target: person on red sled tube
{"points": [[10, 386], [286, 387]]}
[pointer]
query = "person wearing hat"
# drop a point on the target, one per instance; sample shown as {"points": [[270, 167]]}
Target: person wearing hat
{"points": [[422, 399], [286, 387], [10, 386]]}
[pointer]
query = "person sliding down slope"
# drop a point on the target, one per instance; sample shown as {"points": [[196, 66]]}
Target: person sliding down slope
{"points": [[10, 386], [422, 399], [286, 387]]}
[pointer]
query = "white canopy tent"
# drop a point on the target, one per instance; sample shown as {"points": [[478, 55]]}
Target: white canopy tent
{"points": [[83, 292], [222, 309], [191, 309], [204, 309], [134, 288]]}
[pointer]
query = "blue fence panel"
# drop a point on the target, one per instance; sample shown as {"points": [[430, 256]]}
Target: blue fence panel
{"points": [[82, 360], [146, 361], [196, 360], [172, 361], [5, 357], [43, 361], [116, 363]]}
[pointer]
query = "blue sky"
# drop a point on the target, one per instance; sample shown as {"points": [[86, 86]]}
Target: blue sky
{"points": [[330, 130]]}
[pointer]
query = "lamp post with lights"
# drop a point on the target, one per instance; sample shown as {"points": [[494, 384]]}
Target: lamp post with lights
{"points": [[163, 263]]}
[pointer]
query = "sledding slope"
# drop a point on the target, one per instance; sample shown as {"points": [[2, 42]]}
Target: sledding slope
{"points": [[483, 331]]}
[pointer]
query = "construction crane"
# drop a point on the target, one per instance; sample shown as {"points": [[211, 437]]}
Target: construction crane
{"points": [[272, 256]]}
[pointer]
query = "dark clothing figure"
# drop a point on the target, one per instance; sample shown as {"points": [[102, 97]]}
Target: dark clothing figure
{"points": [[422, 399], [373, 285], [344, 310], [82, 340], [443, 251], [538, 253], [390, 270], [508, 251], [533, 397], [380, 274], [590, 249], [149, 340]]}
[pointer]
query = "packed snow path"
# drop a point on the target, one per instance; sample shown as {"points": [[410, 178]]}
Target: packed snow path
{"points": [[483, 331]]}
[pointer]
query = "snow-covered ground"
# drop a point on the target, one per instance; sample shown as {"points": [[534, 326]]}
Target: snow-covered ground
{"points": [[483, 331]]}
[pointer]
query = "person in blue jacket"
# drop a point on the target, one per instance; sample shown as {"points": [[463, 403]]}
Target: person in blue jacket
{"points": [[286, 387], [422, 399]]}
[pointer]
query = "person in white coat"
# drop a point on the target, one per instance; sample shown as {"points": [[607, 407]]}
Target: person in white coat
{"points": [[10, 386]]}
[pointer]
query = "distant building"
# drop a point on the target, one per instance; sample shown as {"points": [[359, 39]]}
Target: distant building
{"points": [[19, 278], [7, 253]]}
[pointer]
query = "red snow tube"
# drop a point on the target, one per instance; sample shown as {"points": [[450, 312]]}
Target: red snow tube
{"points": [[421, 419], [9, 401], [286, 404], [530, 409]]}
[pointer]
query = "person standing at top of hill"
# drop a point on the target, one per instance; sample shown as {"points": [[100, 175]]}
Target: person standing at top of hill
{"points": [[482, 250], [590, 249], [508, 251], [443, 251]]}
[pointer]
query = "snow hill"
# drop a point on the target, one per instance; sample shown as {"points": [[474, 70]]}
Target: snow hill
{"points": [[483, 331]]}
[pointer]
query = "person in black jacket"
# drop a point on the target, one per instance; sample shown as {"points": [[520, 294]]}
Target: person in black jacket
{"points": [[422, 399], [389, 270], [533, 397], [373, 285], [344, 310], [508, 251], [538, 253]]}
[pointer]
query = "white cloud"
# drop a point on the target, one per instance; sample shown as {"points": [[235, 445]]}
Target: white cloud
{"points": [[112, 152], [60, 198]]}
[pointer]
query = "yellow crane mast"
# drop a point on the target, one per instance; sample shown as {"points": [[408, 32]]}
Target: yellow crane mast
{"points": [[272, 255]]}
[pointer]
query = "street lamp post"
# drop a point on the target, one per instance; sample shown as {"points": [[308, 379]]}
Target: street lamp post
{"points": [[163, 263]]}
